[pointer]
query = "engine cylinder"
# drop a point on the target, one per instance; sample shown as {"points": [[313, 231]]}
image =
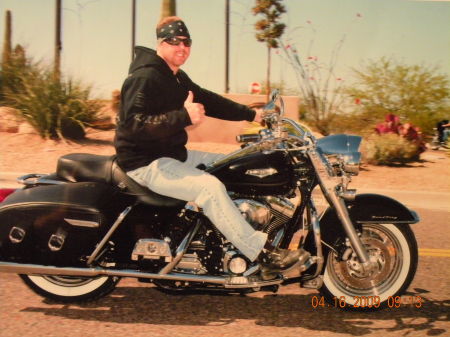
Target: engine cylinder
{"points": [[255, 213]]}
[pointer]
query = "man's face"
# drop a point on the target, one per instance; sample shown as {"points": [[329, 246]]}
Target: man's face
{"points": [[174, 51]]}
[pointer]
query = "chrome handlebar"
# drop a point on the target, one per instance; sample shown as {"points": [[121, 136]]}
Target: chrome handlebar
{"points": [[273, 113]]}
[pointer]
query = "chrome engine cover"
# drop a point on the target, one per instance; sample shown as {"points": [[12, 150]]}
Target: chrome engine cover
{"points": [[269, 212], [152, 249], [257, 214], [210, 252]]}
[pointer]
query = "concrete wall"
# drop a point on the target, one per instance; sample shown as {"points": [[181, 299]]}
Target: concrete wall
{"points": [[220, 131]]}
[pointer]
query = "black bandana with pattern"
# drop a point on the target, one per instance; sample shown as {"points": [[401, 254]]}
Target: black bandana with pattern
{"points": [[172, 29]]}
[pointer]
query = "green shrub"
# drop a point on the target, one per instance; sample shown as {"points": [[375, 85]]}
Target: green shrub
{"points": [[55, 108], [389, 149], [14, 71]]}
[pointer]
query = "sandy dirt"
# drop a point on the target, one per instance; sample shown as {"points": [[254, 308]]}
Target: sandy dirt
{"points": [[28, 153]]}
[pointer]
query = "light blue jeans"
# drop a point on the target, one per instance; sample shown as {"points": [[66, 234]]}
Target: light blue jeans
{"points": [[182, 180], [446, 133]]}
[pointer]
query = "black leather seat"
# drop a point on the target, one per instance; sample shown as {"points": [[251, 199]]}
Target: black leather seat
{"points": [[79, 167]]}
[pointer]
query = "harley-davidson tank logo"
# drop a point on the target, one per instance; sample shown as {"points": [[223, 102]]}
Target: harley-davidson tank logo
{"points": [[261, 173]]}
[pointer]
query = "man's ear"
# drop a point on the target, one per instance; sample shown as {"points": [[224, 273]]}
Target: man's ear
{"points": [[158, 43]]}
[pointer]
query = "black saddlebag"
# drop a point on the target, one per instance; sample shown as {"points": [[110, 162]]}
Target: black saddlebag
{"points": [[55, 225]]}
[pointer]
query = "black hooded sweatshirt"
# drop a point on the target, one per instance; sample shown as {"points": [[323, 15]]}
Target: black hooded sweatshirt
{"points": [[152, 118]]}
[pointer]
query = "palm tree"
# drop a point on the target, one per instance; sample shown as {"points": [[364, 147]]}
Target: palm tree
{"points": [[269, 29]]}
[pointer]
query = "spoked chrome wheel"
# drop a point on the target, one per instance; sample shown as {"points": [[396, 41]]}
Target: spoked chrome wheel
{"points": [[70, 288], [392, 250]]}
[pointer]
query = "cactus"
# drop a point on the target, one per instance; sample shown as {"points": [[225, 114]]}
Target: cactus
{"points": [[6, 56]]}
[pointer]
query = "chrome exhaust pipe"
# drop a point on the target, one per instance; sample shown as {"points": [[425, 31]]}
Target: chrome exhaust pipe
{"points": [[226, 282], [35, 269]]}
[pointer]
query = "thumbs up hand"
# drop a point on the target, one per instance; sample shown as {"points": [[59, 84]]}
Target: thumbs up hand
{"points": [[189, 98], [196, 111]]}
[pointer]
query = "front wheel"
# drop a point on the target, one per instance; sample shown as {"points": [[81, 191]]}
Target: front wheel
{"points": [[70, 289], [393, 248]]}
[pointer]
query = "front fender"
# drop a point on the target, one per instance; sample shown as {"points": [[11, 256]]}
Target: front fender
{"points": [[375, 208], [366, 208]]}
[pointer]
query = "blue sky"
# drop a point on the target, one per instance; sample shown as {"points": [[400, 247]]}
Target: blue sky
{"points": [[97, 36]]}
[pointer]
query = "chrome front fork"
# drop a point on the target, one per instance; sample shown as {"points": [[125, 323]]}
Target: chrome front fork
{"points": [[335, 199]]}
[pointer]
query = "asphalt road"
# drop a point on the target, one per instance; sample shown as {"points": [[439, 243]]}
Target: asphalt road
{"points": [[136, 309]]}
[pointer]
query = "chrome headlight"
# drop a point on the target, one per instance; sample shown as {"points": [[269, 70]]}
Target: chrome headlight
{"points": [[351, 163]]}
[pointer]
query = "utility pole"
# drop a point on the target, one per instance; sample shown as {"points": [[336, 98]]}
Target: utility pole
{"points": [[133, 27], [168, 8], [227, 46], [58, 42]]}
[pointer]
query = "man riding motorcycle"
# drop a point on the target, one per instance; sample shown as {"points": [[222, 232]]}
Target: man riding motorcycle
{"points": [[158, 102]]}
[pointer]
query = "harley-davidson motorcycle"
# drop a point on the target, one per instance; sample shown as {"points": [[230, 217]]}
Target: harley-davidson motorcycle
{"points": [[73, 234]]}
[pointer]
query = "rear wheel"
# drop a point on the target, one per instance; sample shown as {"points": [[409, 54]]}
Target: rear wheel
{"points": [[392, 249], [70, 288]]}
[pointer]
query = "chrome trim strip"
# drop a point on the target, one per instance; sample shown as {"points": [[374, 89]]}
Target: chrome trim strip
{"points": [[82, 223]]}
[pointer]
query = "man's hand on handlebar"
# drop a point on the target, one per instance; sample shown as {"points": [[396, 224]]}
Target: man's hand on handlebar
{"points": [[258, 115]]}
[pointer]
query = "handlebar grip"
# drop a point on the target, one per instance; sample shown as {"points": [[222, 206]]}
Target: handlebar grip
{"points": [[246, 138]]}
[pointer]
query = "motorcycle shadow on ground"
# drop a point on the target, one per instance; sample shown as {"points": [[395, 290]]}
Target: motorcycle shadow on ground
{"points": [[147, 305]]}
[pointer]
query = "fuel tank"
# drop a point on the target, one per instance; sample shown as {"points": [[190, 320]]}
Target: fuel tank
{"points": [[253, 170]]}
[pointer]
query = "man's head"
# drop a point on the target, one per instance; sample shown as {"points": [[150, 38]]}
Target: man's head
{"points": [[174, 42]]}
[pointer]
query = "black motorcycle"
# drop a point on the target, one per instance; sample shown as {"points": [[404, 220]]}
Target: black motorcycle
{"points": [[72, 235]]}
